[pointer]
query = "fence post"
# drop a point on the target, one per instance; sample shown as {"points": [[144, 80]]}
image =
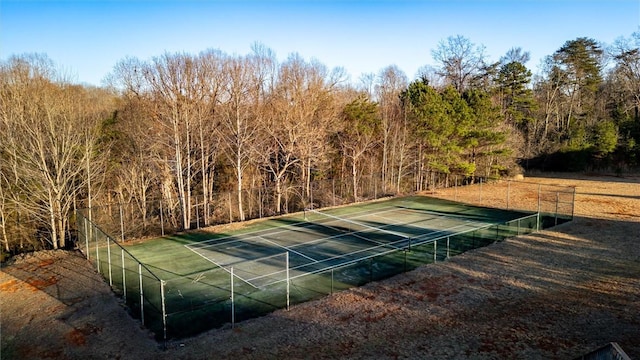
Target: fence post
{"points": [[86, 237], [573, 203], [260, 201], [121, 224], [455, 189], [141, 294], [287, 264], [508, 192], [197, 215], [370, 269], [375, 187], [539, 190], [164, 310], [109, 262], [230, 211], [233, 309], [557, 201], [161, 219], [97, 254], [405, 260], [331, 280], [448, 247], [481, 191], [333, 188], [124, 278], [435, 251]]}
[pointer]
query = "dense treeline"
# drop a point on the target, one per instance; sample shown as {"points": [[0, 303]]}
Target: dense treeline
{"points": [[180, 127]]}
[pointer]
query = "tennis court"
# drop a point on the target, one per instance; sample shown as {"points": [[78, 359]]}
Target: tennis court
{"points": [[323, 240], [187, 283]]}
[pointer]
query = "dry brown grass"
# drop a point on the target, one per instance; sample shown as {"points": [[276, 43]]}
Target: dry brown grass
{"points": [[556, 294]]}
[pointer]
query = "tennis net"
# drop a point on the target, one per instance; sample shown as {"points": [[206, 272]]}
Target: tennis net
{"points": [[348, 227]]}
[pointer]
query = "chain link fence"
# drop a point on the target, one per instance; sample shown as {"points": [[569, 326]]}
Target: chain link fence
{"points": [[210, 297]]}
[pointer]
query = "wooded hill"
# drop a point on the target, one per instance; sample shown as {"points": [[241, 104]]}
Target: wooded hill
{"points": [[182, 127]]}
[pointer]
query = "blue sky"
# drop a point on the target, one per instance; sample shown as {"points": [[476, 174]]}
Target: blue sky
{"points": [[87, 38]]}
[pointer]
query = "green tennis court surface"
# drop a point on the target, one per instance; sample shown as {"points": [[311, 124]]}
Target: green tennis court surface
{"points": [[197, 281], [325, 241]]}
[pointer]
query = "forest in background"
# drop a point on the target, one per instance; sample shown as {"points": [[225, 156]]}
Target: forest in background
{"points": [[181, 128]]}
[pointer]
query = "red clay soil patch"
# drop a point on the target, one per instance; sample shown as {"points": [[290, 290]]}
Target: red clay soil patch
{"points": [[39, 284], [436, 286], [76, 337], [46, 262], [10, 286]]}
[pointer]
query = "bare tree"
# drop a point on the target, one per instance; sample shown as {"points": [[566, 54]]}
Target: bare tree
{"points": [[626, 52], [515, 55], [246, 86], [212, 82], [361, 123], [48, 131], [460, 60], [178, 94], [391, 82]]}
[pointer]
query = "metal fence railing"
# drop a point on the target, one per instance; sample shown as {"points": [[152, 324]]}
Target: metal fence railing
{"points": [[158, 217], [178, 306]]}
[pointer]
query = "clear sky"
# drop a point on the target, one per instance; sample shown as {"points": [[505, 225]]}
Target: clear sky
{"points": [[87, 38]]}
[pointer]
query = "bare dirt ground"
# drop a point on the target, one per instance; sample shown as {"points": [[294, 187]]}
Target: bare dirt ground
{"points": [[556, 294]]}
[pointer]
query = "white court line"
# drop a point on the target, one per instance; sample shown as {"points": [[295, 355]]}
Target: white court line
{"points": [[288, 249], [421, 241], [362, 250], [279, 229], [355, 233], [437, 219], [361, 214], [435, 213], [223, 268], [375, 247]]}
